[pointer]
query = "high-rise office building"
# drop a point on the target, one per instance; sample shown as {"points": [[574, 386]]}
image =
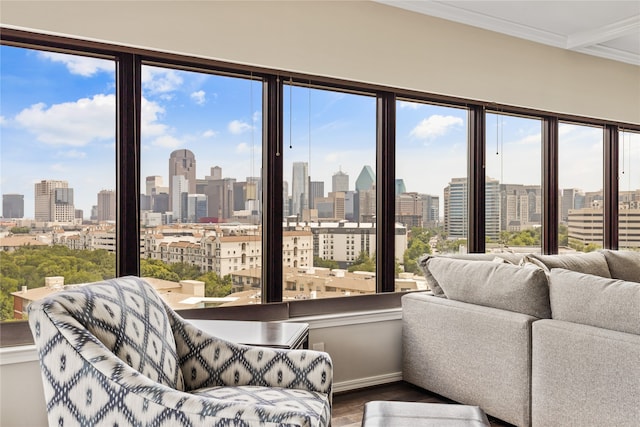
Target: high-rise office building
{"points": [[182, 163], [179, 187], [366, 179], [400, 187], [107, 205], [153, 185], [299, 188], [54, 201], [340, 181], [316, 190], [13, 205]]}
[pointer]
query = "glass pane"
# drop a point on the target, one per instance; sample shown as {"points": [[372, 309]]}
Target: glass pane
{"points": [[431, 181], [513, 189], [329, 193], [201, 185], [629, 191], [57, 174], [580, 153]]}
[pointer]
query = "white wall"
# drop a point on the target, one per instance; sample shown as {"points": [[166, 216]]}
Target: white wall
{"points": [[354, 40], [365, 349]]}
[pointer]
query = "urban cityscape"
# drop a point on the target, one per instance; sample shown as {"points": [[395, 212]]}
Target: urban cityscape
{"points": [[200, 208]]}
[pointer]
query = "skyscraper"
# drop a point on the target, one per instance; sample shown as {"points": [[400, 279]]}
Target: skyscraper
{"points": [[182, 163], [316, 190], [13, 205], [54, 201], [340, 181], [153, 183], [300, 188], [107, 205], [366, 179]]}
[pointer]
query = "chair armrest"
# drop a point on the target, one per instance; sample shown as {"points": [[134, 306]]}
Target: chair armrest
{"points": [[208, 361]]}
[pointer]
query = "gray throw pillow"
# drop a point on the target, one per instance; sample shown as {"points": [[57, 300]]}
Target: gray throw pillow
{"points": [[589, 263], [491, 284], [623, 265], [596, 301]]}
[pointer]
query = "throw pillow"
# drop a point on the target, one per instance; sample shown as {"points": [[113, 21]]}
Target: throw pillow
{"points": [[623, 265], [596, 301], [589, 263], [499, 285]]}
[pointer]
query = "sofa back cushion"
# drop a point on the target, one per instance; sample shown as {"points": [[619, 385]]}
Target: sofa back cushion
{"points": [[491, 284], [589, 263], [596, 301], [623, 265], [503, 257]]}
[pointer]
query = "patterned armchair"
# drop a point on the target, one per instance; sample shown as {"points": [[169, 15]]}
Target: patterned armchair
{"points": [[113, 353]]}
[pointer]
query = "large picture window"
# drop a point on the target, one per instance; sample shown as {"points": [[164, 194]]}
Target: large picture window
{"points": [[513, 187], [201, 185], [431, 179], [629, 191], [58, 174], [329, 193]]}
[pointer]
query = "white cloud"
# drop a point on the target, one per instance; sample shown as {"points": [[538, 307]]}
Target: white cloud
{"points": [[237, 127], [80, 65], [72, 154], [209, 133], [167, 141], [243, 148], [199, 97], [409, 105], [257, 116], [435, 126], [71, 123], [160, 80], [3, 120], [151, 113]]}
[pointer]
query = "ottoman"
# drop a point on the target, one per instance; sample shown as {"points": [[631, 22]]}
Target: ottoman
{"points": [[417, 414]]}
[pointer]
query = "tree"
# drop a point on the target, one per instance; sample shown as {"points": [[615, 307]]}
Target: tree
{"points": [[363, 263], [214, 285], [326, 263], [157, 269], [185, 271]]}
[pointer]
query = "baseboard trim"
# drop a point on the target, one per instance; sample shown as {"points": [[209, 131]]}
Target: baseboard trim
{"points": [[342, 386]]}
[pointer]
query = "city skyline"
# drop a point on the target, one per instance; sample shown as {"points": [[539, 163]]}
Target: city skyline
{"points": [[58, 123]]}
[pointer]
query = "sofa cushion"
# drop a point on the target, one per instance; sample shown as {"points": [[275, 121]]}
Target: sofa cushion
{"points": [[505, 286], [502, 257], [589, 263], [596, 301], [623, 265]]}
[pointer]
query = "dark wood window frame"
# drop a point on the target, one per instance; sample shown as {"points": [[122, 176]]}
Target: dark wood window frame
{"points": [[129, 62]]}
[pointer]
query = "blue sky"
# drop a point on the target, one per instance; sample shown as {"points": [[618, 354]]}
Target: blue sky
{"points": [[57, 118]]}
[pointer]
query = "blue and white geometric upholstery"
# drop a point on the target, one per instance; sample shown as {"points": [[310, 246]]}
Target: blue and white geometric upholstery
{"points": [[113, 353]]}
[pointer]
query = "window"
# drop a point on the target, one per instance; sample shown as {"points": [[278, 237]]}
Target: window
{"points": [[329, 161], [58, 173], [201, 143], [431, 180], [629, 191], [513, 186], [205, 117], [580, 155]]}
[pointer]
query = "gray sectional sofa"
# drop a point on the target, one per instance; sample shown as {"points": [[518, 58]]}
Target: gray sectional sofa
{"points": [[534, 340]]}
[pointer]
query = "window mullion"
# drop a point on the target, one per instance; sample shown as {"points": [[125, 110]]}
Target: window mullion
{"points": [[476, 180], [550, 189], [385, 192], [611, 189], [129, 95], [272, 191]]}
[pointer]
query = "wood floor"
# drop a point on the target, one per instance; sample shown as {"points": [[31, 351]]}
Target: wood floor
{"points": [[348, 406]]}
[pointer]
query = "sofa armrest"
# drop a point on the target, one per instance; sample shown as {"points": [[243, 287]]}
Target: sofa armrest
{"points": [[209, 361], [472, 354], [584, 375]]}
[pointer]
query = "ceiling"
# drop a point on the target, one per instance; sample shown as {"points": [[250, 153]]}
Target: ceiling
{"points": [[608, 29]]}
